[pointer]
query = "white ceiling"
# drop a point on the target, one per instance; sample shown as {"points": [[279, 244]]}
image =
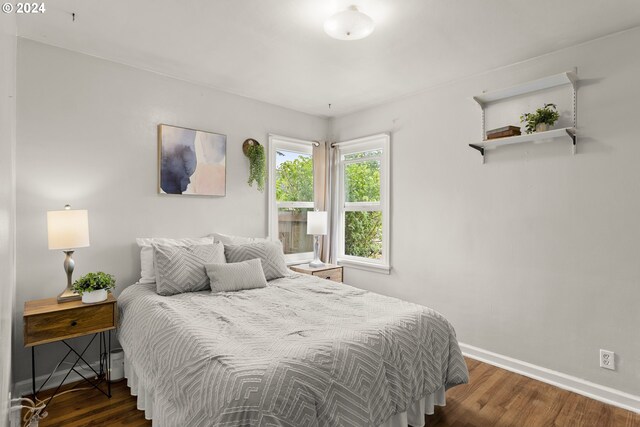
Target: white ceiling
{"points": [[277, 51]]}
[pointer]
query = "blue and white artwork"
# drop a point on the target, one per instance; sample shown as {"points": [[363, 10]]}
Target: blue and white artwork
{"points": [[192, 161]]}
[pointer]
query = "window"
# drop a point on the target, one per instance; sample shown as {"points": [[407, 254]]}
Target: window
{"points": [[291, 195], [363, 203]]}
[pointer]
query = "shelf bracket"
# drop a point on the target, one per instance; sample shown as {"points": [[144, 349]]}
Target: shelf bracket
{"points": [[573, 141], [480, 149]]}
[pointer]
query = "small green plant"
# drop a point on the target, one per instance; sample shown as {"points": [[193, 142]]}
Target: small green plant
{"points": [[547, 114], [94, 282], [257, 166]]}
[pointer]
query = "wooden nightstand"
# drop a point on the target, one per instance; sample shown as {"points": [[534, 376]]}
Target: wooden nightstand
{"points": [[329, 271], [47, 321]]}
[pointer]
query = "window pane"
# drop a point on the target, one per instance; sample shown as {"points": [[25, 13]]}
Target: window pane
{"points": [[294, 177], [363, 234], [292, 230], [363, 154], [362, 181]]}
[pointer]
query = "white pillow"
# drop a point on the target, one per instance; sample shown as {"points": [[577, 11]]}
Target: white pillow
{"points": [[227, 239], [147, 269], [236, 276]]}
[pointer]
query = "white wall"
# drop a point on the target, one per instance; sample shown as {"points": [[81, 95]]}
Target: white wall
{"points": [[87, 136], [534, 255], [7, 203]]}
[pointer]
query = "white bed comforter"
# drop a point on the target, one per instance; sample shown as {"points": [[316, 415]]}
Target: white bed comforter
{"points": [[301, 352]]}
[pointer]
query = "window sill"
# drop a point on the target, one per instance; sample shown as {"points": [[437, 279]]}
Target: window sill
{"points": [[291, 262], [298, 262], [367, 266], [298, 258]]}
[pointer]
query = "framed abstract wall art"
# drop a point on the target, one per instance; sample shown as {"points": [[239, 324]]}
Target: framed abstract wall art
{"points": [[191, 162]]}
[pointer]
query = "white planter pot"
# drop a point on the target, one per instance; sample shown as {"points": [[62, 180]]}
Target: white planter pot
{"points": [[542, 127], [94, 296]]}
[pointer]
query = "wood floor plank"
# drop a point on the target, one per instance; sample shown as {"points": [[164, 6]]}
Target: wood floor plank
{"points": [[494, 397]]}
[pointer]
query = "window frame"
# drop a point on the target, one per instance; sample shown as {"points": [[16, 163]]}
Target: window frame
{"points": [[295, 145], [369, 143]]}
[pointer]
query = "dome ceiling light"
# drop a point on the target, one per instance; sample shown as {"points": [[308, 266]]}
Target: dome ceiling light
{"points": [[350, 24]]}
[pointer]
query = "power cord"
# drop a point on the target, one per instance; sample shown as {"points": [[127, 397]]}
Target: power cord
{"points": [[33, 415], [34, 412]]}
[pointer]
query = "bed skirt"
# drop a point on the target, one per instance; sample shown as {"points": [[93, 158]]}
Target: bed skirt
{"points": [[414, 416]]}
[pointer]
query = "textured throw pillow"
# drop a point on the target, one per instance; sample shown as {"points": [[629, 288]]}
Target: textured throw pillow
{"points": [[236, 276], [270, 254], [147, 270], [181, 268], [226, 239]]}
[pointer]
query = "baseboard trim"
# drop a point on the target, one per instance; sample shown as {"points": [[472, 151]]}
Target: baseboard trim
{"points": [[595, 391], [23, 388]]}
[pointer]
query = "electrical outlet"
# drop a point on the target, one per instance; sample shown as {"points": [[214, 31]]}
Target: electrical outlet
{"points": [[607, 359]]}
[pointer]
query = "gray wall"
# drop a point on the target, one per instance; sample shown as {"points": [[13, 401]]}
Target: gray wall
{"points": [[533, 255], [87, 136], [7, 202]]}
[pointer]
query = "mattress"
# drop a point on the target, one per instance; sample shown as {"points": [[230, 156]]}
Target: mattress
{"points": [[301, 352]]}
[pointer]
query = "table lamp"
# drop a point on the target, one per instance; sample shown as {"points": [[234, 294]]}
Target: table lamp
{"points": [[316, 225], [68, 230]]}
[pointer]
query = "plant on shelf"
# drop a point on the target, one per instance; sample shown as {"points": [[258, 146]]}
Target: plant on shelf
{"points": [[94, 286], [541, 119], [255, 153]]}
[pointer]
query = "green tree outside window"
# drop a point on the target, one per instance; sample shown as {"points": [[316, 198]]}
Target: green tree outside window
{"points": [[363, 230]]}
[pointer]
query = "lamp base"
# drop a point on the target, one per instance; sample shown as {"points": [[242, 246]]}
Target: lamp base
{"points": [[316, 264], [68, 295]]}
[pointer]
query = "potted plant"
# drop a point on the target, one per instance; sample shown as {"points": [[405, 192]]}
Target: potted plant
{"points": [[542, 119], [255, 153], [94, 286]]}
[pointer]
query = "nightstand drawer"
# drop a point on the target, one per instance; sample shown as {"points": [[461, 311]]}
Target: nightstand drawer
{"points": [[59, 325], [334, 274]]}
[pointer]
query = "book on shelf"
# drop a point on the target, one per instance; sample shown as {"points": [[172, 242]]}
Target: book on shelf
{"points": [[503, 132]]}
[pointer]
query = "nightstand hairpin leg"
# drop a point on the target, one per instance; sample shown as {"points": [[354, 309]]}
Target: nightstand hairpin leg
{"points": [[109, 365], [72, 369], [100, 353], [104, 373], [33, 370], [105, 358]]}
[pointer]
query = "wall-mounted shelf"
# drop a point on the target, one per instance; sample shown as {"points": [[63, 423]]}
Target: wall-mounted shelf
{"points": [[568, 77], [553, 134], [556, 80]]}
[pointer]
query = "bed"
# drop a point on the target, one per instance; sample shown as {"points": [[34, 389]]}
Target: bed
{"points": [[302, 351]]}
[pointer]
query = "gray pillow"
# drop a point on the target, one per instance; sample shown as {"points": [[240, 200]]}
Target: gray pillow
{"points": [[270, 253], [236, 276], [181, 268]]}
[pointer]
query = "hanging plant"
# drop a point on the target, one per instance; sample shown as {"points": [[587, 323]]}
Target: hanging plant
{"points": [[541, 119], [257, 164]]}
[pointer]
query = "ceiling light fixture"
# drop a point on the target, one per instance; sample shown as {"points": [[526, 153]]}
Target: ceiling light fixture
{"points": [[350, 24]]}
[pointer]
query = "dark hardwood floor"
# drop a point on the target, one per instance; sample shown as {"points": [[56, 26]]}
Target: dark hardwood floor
{"points": [[494, 397]]}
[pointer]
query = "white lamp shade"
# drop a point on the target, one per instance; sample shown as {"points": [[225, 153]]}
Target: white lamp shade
{"points": [[350, 24], [68, 229], [317, 223]]}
